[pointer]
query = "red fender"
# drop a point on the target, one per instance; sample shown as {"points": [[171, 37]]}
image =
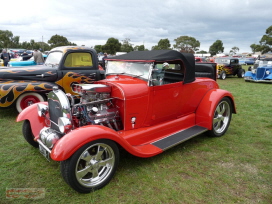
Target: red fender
{"points": [[205, 110], [75, 139], [31, 113]]}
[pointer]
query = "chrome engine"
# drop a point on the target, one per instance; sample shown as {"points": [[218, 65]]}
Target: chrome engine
{"points": [[96, 107]]}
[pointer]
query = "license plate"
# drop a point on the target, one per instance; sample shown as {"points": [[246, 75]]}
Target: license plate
{"points": [[44, 152]]}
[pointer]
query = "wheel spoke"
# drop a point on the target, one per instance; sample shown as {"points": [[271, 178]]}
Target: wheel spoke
{"points": [[94, 173], [86, 156], [222, 109], [81, 173], [217, 125], [100, 151], [107, 162], [216, 120]]}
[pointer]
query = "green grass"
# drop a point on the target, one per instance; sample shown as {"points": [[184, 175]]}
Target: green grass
{"points": [[235, 168]]}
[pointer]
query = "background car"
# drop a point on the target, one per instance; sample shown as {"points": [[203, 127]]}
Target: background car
{"points": [[260, 72], [22, 62], [242, 61], [201, 59], [228, 66], [249, 61], [20, 87]]}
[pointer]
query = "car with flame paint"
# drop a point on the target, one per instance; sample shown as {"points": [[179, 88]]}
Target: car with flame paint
{"points": [[149, 102], [229, 67], [64, 66], [260, 72]]}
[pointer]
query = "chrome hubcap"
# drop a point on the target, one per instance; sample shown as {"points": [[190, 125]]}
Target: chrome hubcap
{"points": [[95, 165], [221, 117]]}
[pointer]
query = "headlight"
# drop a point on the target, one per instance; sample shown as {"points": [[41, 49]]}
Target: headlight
{"points": [[42, 109], [253, 71], [48, 137], [64, 124], [267, 72]]}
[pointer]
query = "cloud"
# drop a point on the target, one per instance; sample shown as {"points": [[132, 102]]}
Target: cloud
{"points": [[89, 22]]}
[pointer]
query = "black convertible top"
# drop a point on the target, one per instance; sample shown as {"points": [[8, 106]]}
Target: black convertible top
{"points": [[162, 56]]}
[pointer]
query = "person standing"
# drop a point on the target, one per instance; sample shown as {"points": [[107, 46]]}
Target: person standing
{"points": [[38, 57], [5, 57], [103, 60], [24, 56]]}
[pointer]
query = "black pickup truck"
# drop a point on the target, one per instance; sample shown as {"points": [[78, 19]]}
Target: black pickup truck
{"points": [[64, 66]]}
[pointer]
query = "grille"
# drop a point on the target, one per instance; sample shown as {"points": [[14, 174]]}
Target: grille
{"points": [[260, 73]]}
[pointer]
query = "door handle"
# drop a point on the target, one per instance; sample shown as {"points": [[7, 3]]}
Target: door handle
{"points": [[41, 75]]}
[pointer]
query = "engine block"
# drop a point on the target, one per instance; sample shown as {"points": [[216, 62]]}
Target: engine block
{"points": [[95, 107]]}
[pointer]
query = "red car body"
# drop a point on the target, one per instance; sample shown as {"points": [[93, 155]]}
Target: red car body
{"points": [[201, 59], [150, 116]]}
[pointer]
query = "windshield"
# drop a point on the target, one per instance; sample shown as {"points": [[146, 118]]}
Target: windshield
{"points": [[222, 60], [53, 59], [138, 69]]}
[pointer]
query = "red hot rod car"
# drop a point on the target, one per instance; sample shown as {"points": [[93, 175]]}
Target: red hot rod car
{"points": [[149, 102]]}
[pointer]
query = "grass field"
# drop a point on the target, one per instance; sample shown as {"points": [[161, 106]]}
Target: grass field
{"points": [[235, 168]]}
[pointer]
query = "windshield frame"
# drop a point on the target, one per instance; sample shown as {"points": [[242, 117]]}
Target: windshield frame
{"points": [[139, 69], [53, 59]]}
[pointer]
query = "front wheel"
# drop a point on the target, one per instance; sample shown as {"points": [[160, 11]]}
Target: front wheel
{"points": [[27, 99], [27, 133], [221, 118], [92, 166]]}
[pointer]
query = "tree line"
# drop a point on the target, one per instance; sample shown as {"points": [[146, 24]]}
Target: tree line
{"points": [[7, 40], [186, 44]]}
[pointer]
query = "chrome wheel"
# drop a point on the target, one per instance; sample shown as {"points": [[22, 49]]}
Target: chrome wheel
{"points": [[221, 118], [223, 75], [92, 166]]}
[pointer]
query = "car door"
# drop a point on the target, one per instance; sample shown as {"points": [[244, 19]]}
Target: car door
{"points": [[166, 100], [166, 95]]}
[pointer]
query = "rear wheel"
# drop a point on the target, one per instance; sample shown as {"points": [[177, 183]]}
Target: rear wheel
{"points": [[223, 75], [27, 133], [221, 118], [92, 166], [28, 99], [241, 73]]}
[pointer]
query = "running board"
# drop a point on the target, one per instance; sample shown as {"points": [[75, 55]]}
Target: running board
{"points": [[179, 137]]}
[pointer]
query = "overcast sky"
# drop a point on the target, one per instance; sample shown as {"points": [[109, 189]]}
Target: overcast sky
{"points": [[237, 23]]}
